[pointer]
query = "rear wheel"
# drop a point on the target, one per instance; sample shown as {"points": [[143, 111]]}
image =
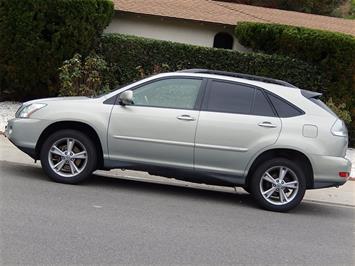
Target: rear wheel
{"points": [[68, 156], [278, 185]]}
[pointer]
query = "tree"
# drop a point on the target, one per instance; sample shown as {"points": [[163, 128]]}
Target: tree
{"points": [[36, 36]]}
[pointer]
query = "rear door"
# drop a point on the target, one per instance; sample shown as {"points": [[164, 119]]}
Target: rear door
{"points": [[235, 122]]}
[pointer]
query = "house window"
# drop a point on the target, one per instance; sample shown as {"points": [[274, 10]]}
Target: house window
{"points": [[223, 40]]}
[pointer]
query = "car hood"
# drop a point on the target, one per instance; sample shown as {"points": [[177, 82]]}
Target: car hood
{"points": [[45, 100]]}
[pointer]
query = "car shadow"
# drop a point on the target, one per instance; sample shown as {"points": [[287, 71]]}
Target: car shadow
{"points": [[169, 188], [118, 183]]}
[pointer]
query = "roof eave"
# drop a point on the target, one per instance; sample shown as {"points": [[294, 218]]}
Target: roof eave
{"points": [[177, 18]]}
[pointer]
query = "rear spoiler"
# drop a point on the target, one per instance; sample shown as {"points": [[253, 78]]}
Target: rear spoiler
{"points": [[314, 97], [311, 94]]}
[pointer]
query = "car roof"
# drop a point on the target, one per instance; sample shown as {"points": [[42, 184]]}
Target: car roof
{"points": [[239, 75], [241, 78], [261, 82]]}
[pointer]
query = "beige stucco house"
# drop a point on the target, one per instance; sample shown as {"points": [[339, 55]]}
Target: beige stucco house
{"points": [[207, 23]]}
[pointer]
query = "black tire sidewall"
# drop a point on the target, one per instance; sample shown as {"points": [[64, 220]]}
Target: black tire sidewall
{"points": [[91, 153], [255, 188]]}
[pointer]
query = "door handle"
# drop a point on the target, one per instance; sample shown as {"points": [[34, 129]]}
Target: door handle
{"points": [[267, 124], [186, 118]]}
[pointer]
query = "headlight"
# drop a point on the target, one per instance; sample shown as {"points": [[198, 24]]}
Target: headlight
{"points": [[28, 110]]}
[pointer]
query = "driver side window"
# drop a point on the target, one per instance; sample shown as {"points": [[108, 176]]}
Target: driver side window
{"points": [[180, 93]]}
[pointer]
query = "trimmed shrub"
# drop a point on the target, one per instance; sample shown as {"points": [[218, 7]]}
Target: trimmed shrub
{"points": [[333, 53], [127, 55], [36, 36]]}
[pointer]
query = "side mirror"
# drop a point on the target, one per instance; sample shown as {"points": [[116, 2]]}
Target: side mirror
{"points": [[126, 97]]}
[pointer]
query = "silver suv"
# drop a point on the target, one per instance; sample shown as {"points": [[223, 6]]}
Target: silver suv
{"points": [[204, 126]]}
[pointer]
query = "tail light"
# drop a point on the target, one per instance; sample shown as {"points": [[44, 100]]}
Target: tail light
{"points": [[344, 175], [339, 129]]}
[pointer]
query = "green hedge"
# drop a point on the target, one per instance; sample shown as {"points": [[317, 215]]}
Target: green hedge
{"points": [[125, 53], [333, 53], [36, 36]]}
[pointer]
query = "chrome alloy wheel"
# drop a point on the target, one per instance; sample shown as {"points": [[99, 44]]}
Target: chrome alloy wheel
{"points": [[67, 157], [279, 185]]}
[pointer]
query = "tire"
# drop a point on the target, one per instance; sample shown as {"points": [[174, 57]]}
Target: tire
{"points": [[247, 189], [68, 165], [268, 189]]}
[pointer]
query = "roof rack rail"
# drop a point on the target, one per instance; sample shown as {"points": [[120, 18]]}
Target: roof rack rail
{"points": [[239, 75]]}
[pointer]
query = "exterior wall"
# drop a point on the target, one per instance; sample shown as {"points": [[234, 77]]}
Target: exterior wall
{"points": [[176, 30]]}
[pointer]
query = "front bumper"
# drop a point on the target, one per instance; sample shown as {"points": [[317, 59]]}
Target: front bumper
{"points": [[24, 133], [326, 170]]}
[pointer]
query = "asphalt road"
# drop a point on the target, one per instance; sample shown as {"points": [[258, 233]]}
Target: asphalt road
{"points": [[115, 221]]}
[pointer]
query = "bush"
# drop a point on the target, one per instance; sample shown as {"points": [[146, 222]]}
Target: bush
{"points": [[36, 36], [340, 110], [125, 54], [83, 77], [333, 53]]}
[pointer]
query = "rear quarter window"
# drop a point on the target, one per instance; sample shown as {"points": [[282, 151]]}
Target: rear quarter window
{"points": [[283, 107]]}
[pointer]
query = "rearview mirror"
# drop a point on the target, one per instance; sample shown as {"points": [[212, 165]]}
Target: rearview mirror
{"points": [[126, 97]]}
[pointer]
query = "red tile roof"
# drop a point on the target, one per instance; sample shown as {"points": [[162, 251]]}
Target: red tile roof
{"points": [[231, 13]]}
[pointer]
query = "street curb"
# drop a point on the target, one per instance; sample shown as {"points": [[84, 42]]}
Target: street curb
{"points": [[329, 203]]}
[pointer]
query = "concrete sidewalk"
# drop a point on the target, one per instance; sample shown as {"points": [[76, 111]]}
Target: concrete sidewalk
{"points": [[344, 195]]}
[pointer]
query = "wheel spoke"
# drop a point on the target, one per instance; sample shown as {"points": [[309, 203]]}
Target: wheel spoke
{"points": [[292, 184], [269, 178], [269, 192], [59, 165], [70, 151], [283, 196], [279, 185], [79, 155], [73, 167], [70, 145], [282, 173], [57, 151]]}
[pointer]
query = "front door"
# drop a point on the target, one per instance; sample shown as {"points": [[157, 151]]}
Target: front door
{"points": [[159, 127]]}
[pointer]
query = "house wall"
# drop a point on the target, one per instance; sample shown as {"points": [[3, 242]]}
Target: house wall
{"points": [[176, 30]]}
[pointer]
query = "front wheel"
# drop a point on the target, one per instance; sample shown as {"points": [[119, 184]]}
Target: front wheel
{"points": [[278, 185], [68, 156]]}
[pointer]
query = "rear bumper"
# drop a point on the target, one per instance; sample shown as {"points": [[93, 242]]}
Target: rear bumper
{"points": [[326, 170]]}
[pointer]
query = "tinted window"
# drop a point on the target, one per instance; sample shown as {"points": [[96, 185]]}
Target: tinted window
{"points": [[261, 105], [283, 108], [230, 98], [169, 93]]}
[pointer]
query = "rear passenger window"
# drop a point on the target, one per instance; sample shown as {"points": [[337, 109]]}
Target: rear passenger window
{"points": [[230, 98], [283, 108], [262, 106]]}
